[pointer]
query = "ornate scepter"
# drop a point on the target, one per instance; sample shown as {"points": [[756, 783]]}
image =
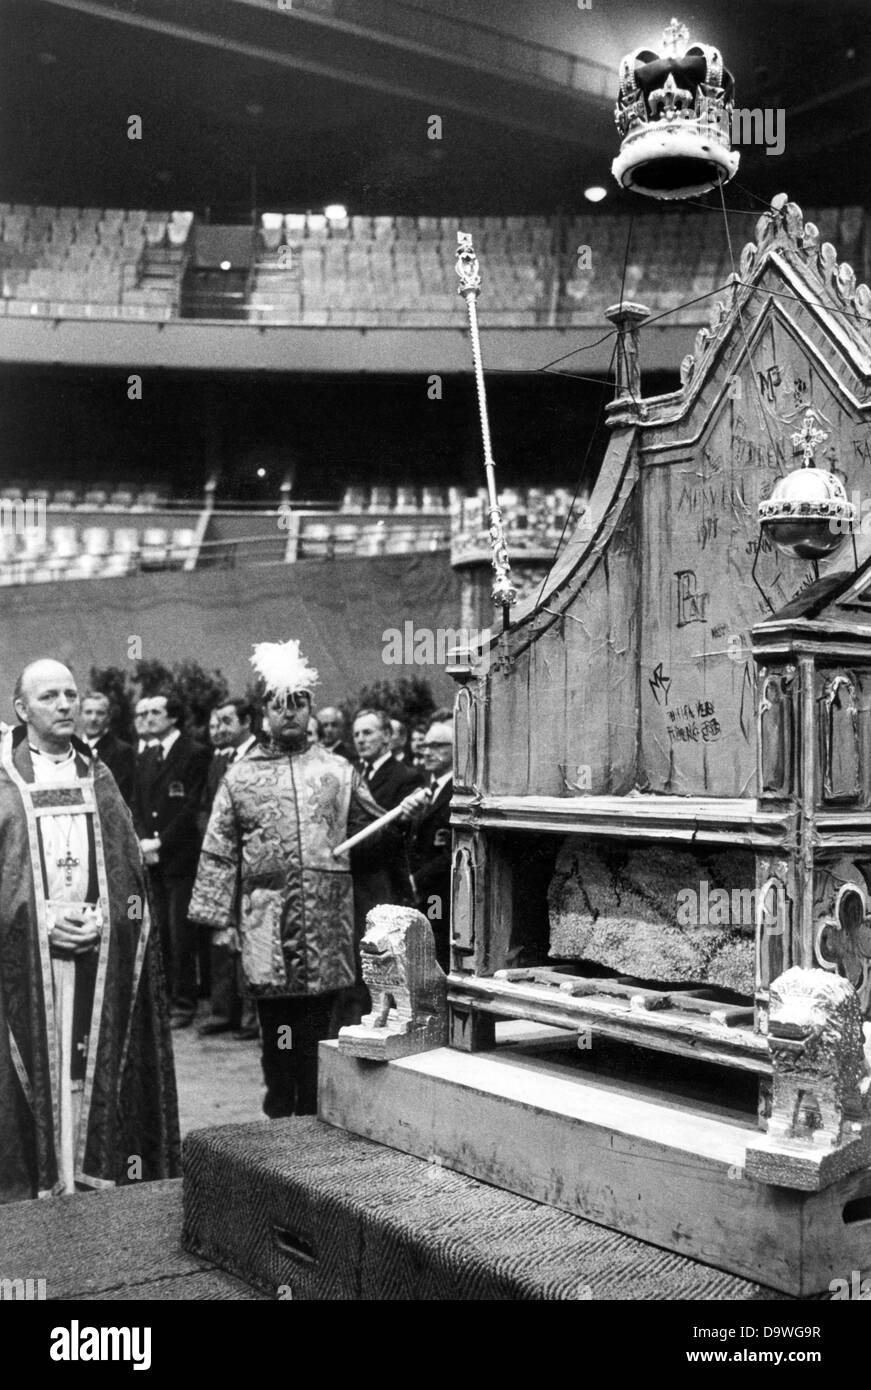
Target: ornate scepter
{"points": [[470, 287]]}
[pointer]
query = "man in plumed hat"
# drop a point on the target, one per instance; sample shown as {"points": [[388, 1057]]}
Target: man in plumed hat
{"points": [[267, 872]]}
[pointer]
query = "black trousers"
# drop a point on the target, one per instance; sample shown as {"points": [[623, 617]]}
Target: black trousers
{"points": [[204, 962], [230, 999], [290, 1029], [178, 937]]}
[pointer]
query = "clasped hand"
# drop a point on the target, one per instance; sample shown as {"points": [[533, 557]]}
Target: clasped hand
{"points": [[74, 935]]}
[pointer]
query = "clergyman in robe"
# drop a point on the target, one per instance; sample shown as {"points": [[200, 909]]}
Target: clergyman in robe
{"points": [[87, 1086]]}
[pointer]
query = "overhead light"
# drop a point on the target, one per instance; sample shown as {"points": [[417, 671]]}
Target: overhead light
{"points": [[261, 472], [335, 212], [595, 194], [226, 265]]}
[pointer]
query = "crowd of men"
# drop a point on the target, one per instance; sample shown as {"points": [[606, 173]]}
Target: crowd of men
{"points": [[174, 786], [224, 878]]}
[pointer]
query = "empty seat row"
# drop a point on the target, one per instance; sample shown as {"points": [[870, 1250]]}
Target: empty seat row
{"points": [[116, 499], [402, 500], [541, 510], [321, 540], [371, 271], [65, 541], [56, 568], [277, 228], [65, 553], [172, 228]]}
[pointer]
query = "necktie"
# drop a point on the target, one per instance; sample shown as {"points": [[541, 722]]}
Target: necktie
{"points": [[152, 757]]}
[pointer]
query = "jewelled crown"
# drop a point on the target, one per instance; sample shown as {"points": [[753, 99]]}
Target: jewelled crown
{"points": [[674, 114]]}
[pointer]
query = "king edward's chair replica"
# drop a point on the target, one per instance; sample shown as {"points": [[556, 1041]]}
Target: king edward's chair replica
{"points": [[661, 950]]}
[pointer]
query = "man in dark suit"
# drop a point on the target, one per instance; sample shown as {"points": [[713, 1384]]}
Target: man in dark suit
{"points": [[169, 783], [233, 737], [379, 867], [389, 780], [429, 811], [382, 863], [332, 723], [140, 714], [218, 764], [231, 730], [114, 752]]}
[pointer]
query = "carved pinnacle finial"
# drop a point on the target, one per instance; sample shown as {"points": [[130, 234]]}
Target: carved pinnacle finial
{"points": [[807, 439], [626, 318]]}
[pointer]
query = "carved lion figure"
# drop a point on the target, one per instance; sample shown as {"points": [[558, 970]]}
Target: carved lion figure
{"points": [[400, 970], [816, 1041]]}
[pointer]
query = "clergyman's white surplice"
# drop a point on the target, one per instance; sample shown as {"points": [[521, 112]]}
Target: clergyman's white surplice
{"points": [[64, 842]]}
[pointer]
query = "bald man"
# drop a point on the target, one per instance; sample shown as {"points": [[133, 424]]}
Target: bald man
{"points": [[87, 1089]]}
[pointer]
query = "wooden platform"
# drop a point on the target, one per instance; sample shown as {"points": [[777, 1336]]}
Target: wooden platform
{"points": [[657, 1162]]}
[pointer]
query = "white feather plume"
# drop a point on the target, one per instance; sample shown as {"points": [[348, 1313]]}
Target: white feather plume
{"points": [[282, 667]]}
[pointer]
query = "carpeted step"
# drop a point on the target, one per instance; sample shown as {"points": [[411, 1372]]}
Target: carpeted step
{"points": [[302, 1210]]}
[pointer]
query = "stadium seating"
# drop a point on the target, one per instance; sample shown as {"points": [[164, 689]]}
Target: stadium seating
{"points": [[88, 262], [357, 271], [362, 271], [155, 547], [535, 519], [72, 534], [98, 533], [182, 544]]}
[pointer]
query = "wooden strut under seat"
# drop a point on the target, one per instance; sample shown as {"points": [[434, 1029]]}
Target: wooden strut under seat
{"points": [[684, 1019]]}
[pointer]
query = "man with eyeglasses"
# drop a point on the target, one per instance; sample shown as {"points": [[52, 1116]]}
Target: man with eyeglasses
{"points": [[429, 850]]}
